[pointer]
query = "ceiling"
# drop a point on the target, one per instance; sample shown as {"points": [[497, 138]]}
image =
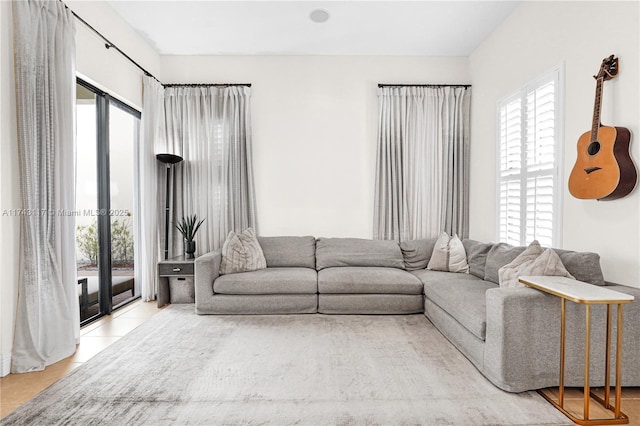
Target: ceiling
{"points": [[414, 28]]}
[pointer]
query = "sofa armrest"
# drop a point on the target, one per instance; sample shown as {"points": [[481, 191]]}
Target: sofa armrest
{"points": [[522, 339], [207, 269], [522, 346]]}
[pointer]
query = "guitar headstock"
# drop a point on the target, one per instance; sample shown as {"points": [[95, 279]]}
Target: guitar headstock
{"points": [[608, 68]]}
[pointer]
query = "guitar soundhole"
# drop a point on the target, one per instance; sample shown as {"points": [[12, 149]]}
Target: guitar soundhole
{"points": [[593, 148]]}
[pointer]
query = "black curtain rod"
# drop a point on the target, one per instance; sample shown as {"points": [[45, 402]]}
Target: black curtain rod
{"points": [[207, 84], [108, 44], [424, 85]]}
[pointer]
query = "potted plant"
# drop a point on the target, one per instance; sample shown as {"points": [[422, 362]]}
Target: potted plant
{"points": [[188, 227]]}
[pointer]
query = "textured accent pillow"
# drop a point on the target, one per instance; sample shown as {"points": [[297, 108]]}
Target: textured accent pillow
{"points": [[448, 255], [548, 263], [242, 253], [509, 273]]}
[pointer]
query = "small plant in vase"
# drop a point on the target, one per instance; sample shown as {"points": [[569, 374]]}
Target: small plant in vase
{"points": [[188, 227]]}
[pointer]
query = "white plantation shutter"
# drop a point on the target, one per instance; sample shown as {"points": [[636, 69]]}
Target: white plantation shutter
{"points": [[529, 132]]}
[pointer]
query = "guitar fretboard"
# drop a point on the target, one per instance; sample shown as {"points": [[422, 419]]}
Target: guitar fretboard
{"points": [[595, 124]]}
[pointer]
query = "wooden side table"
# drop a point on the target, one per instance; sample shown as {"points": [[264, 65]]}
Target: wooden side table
{"points": [[587, 294], [175, 267]]}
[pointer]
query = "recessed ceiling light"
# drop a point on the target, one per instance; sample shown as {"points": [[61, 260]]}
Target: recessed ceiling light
{"points": [[319, 16]]}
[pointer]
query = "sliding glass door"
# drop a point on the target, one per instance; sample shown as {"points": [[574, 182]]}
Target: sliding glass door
{"points": [[124, 127], [107, 134]]}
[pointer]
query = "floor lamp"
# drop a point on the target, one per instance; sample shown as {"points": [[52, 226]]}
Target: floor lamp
{"points": [[169, 160]]}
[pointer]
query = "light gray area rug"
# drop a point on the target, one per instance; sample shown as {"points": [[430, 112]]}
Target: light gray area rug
{"points": [[184, 369]]}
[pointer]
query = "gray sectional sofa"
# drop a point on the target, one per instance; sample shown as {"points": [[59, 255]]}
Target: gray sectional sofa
{"points": [[511, 335]]}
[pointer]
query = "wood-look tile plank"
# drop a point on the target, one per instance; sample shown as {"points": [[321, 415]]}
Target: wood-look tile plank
{"points": [[118, 327]]}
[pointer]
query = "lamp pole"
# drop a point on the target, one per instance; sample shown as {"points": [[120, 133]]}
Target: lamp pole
{"points": [[169, 160]]}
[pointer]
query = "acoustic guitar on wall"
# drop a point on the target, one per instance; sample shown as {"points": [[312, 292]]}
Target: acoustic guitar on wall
{"points": [[604, 169]]}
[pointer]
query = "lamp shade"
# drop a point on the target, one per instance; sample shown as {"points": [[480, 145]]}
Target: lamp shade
{"points": [[169, 158]]}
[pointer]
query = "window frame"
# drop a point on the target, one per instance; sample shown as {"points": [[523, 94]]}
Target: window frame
{"points": [[103, 169], [556, 74]]}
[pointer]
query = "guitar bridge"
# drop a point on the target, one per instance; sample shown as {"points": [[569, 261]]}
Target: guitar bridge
{"points": [[590, 170]]}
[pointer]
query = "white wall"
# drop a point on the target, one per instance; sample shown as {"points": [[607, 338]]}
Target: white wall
{"points": [[537, 36], [314, 131], [106, 69]]}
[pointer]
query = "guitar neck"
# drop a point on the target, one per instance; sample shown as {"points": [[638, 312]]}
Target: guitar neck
{"points": [[595, 124]]}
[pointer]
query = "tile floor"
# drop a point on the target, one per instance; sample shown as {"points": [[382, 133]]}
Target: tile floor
{"points": [[574, 403], [16, 389]]}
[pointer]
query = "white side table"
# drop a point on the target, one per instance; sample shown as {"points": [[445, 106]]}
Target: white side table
{"points": [[586, 294]]}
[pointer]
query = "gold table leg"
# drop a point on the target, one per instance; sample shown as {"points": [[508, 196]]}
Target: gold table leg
{"points": [[619, 362], [620, 417], [562, 334], [587, 342], [607, 360]]}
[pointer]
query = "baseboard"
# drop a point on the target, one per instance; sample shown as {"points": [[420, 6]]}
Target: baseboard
{"points": [[5, 365]]}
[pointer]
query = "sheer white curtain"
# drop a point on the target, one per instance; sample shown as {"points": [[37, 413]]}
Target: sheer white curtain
{"points": [[422, 162], [148, 177], [210, 127], [48, 318]]}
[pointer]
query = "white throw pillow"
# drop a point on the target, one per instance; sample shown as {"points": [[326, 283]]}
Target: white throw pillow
{"points": [[533, 261], [448, 255], [508, 275], [548, 263], [242, 253]]}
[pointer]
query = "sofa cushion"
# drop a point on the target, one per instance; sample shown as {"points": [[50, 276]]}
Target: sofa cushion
{"points": [[336, 252], [242, 253], [584, 266], [460, 295], [289, 252], [269, 281], [499, 255], [476, 256], [360, 280], [416, 253]]}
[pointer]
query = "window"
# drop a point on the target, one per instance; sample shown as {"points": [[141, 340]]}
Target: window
{"points": [[529, 158]]}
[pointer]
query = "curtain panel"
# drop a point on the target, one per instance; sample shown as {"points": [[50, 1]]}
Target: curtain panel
{"points": [[148, 194], [210, 127], [422, 166], [47, 318]]}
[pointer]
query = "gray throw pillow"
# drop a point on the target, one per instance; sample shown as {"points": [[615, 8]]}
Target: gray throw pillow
{"points": [[585, 266], [242, 253], [499, 255], [476, 256]]}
